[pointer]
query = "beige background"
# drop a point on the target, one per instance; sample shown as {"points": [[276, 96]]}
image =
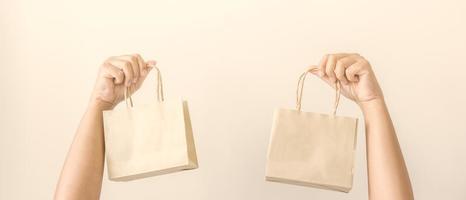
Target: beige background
{"points": [[234, 61]]}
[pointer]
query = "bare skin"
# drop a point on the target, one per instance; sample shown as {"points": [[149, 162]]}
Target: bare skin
{"points": [[387, 173], [81, 177]]}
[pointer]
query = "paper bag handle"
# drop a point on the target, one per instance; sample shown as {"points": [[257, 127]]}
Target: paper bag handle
{"points": [[160, 97], [299, 91]]}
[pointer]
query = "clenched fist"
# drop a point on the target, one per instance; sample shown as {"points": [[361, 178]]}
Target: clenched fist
{"points": [[355, 74], [117, 73]]}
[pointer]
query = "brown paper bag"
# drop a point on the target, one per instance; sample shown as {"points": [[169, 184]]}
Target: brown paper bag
{"points": [[148, 140], [312, 149]]}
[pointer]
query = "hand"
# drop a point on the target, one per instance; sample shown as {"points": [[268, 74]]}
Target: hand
{"points": [[117, 73], [355, 74]]}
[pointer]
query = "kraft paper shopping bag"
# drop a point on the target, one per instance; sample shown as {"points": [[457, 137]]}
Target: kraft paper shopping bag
{"points": [[148, 140], [312, 149]]}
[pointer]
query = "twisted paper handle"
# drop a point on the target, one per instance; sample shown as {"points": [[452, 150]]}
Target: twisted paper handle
{"points": [[160, 96], [299, 91]]}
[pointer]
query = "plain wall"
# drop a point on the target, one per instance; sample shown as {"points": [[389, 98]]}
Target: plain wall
{"points": [[235, 62]]}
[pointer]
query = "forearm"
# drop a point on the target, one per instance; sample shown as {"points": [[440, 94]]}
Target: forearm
{"points": [[387, 173], [81, 177]]}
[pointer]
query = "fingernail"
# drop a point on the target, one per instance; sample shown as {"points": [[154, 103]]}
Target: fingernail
{"points": [[151, 63]]}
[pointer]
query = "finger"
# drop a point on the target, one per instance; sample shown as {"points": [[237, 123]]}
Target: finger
{"points": [[141, 64], [143, 77], [134, 66], [355, 70], [324, 78], [341, 66], [331, 64], [127, 69], [322, 64], [112, 72], [330, 68], [151, 63]]}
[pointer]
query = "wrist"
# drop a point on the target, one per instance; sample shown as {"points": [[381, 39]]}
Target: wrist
{"points": [[100, 105], [372, 105]]}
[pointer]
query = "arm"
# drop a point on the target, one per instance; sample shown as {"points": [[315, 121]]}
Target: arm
{"points": [[81, 176], [387, 173], [388, 176]]}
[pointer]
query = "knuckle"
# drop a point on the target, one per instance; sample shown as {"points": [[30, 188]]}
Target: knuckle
{"points": [[329, 71], [134, 59], [340, 63], [326, 56], [361, 58], [107, 61], [365, 63], [349, 72], [128, 71], [105, 64], [340, 74]]}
